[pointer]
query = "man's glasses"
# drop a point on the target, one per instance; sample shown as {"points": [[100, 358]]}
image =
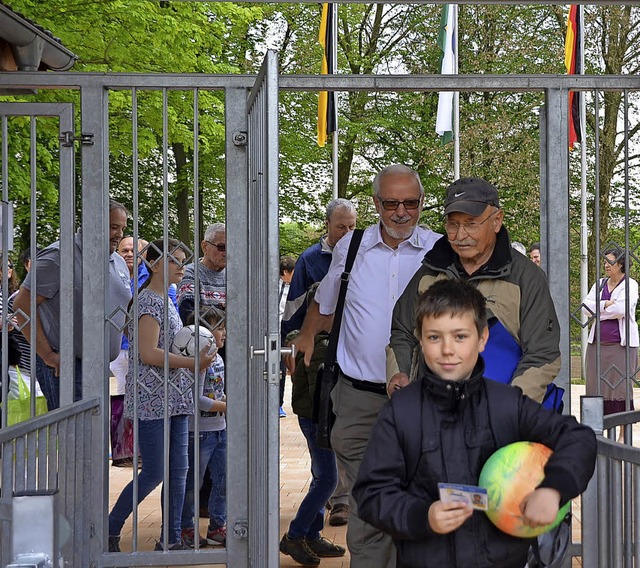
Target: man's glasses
{"points": [[470, 227], [222, 247], [393, 204]]}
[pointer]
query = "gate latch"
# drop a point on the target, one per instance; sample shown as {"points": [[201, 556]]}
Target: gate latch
{"points": [[67, 138], [241, 529]]}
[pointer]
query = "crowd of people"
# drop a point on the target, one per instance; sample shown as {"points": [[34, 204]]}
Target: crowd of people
{"points": [[447, 319], [155, 276]]}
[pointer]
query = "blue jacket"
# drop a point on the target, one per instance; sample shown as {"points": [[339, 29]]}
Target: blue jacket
{"points": [[311, 267]]}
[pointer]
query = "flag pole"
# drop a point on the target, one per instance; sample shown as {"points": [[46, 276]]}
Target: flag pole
{"points": [[456, 106], [584, 230], [334, 149]]}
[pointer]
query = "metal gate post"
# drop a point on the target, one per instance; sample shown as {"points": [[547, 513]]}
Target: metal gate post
{"points": [[264, 337], [238, 355], [554, 217], [591, 414], [95, 221]]}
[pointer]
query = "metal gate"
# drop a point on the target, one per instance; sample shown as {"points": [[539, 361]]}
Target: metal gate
{"points": [[77, 471], [78, 431]]}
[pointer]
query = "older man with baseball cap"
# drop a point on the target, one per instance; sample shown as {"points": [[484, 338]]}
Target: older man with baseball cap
{"points": [[524, 335]]}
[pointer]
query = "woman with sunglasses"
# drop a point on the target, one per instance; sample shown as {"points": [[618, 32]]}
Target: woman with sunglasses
{"points": [[145, 398]]}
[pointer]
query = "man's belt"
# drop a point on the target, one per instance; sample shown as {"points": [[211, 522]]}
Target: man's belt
{"points": [[368, 386]]}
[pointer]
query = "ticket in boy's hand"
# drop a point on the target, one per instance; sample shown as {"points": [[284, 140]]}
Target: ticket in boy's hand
{"points": [[469, 494]]}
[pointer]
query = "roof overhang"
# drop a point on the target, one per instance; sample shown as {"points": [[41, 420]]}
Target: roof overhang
{"points": [[32, 48]]}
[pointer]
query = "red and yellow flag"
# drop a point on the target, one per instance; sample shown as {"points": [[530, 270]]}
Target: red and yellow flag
{"points": [[327, 99], [573, 63]]}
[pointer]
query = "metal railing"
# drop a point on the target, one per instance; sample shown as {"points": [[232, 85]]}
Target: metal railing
{"points": [[51, 454], [610, 513]]}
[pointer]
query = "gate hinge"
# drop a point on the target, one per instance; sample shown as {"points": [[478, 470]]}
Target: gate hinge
{"points": [[240, 138], [67, 138]]}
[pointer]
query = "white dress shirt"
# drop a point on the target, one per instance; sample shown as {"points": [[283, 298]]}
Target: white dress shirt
{"points": [[378, 278]]}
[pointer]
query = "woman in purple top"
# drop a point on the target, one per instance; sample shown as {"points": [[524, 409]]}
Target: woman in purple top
{"points": [[609, 298]]}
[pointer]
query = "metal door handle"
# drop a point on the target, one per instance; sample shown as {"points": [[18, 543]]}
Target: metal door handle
{"points": [[283, 351]]}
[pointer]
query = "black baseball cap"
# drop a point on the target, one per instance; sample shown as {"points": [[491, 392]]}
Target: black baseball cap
{"points": [[471, 196]]}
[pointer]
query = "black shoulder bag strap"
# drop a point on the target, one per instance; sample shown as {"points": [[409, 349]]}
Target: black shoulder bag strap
{"points": [[328, 372], [332, 348]]}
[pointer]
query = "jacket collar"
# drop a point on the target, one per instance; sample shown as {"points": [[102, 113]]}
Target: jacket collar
{"points": [[452, 396], [442, 258]]}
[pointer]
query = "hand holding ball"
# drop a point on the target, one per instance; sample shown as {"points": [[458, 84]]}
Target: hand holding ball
{"points": [[184, 343], [509, 475]]}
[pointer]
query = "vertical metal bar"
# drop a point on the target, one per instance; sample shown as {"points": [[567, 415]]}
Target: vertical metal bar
{"points": [[626, 379], [133, 313], [238, 325], [69, 337], [33, 240], [44, 457], [165, 369], [544, 191], [197, 376], [596, 220], [95, 275], [4, 281], [271, 149], [636, 515], [4, 385], [263, 419], [556, 228]]}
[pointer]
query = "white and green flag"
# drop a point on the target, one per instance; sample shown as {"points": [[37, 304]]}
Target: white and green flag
{"points": [[448, 66]]}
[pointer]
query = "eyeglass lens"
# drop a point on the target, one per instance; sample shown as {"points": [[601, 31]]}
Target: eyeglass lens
{"points": [[222, 247], [392, 204]]}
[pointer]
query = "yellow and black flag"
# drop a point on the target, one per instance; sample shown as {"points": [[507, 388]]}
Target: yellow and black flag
{"points": [[573, 63], [327, 119]]}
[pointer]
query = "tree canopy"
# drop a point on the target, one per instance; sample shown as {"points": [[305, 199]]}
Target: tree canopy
{"points": [[499, 131]]}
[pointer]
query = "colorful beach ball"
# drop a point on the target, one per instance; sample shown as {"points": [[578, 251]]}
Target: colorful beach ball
{"points": [[510, 474]]}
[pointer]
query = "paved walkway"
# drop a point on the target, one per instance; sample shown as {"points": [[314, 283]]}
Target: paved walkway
{"points": [[294, 481]]}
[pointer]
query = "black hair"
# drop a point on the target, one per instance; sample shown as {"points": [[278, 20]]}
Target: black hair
{"points": [[452, 297], [212, 316], [618, 254], [25, 255], [534, 246]]}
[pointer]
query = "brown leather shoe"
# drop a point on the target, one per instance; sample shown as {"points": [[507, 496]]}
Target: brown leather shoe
{"points": [[339, 515]]}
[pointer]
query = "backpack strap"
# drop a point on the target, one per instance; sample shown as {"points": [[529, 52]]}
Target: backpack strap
{"points": [[503, 412], [406, 426]]}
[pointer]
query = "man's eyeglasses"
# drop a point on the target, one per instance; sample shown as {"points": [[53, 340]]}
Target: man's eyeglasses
{"points": [[470, 227], [222, 247], [393, 204]]}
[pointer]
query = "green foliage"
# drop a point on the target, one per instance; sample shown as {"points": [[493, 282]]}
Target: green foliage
{"points": [[295, 238], [142, 36]]}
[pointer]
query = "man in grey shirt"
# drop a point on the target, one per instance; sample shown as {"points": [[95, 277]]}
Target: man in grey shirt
{"points": [[212, 274], [47, 316]]}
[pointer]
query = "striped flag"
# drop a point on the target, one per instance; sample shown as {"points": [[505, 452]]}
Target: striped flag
{"points": [[448, 66], [327, 108], [573, 63]]}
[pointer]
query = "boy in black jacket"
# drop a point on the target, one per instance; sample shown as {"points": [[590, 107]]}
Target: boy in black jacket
{"points": [[443, 428]]}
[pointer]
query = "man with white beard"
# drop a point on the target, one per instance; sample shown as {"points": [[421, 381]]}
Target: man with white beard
{"points": [[390, 252]]}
